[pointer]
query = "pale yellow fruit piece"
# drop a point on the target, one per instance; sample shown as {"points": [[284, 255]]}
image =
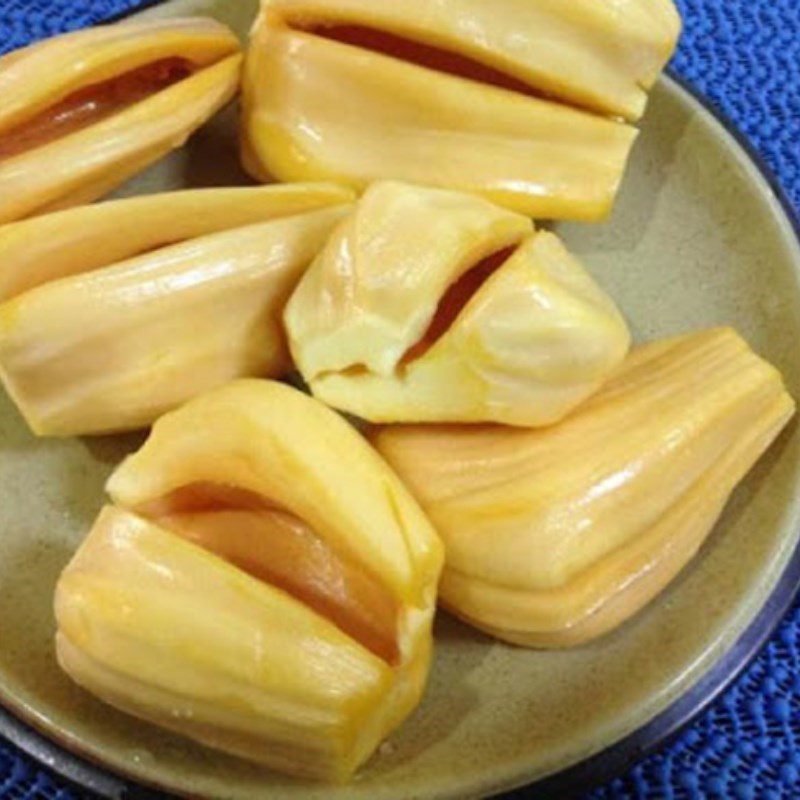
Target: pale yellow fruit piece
{"points": [[169, 632], [394, 322], [374, 290], [407, 122], [556, 536], [114, 347], [599, 54], [274, 441], [85, 111], [279, 548], [194, 602], [79, 240]]}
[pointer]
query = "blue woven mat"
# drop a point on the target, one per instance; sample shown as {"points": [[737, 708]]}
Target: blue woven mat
{"points": [[745, 56]]}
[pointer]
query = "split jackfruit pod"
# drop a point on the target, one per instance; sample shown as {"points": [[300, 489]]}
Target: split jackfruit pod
{"points": [[246, 591], [83, 112], [112, 314], [521, 338], [517, 100], [556, 536]]}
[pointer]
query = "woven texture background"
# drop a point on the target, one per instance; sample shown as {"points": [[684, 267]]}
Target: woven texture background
{"points": [[745, 56]]}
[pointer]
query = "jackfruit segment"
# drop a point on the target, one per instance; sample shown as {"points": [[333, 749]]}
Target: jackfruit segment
{"points": [[422, 290], [114, 348], [70, 80], [85, 111], [293, 446], [556, 536], [453, 302], [83, 239], [421, 55], [599, 55], [166, 631], [256, 613], [374, 290], [279, 548], [92, 104], [407, 122]]}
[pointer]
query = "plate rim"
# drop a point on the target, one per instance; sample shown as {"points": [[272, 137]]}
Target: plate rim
{"points": [[600, 768]]}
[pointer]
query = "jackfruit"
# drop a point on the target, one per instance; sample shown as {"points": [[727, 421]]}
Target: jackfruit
{"points": [[521, 101], [246, 591], [556, 536], [83, 112], [112, 314], [521, 336]]}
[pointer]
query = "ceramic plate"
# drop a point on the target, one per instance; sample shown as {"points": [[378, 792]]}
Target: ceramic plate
{"points": [[698, 238]]}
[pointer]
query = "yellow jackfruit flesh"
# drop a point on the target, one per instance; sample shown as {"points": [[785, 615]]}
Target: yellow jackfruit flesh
{"points": [[599, 55], [431, 305], [245, 591], [556, 536], [115, 313], [83, 112], [522, 101]]}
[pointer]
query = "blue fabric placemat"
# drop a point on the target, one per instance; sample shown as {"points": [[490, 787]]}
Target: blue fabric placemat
{"points": [[745, 56]]}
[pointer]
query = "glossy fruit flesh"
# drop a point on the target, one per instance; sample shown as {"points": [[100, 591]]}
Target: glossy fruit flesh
{"points": [[421, 290], [279, 548], [455, 300], [555, 536], [92, 104], [263, 584], [423, 55]]}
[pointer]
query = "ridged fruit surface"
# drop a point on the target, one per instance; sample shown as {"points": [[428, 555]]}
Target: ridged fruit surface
{"points": [[116, 313], [246, 591], [525, 102], [83, 112], [598, 54], [556, 536], [428, 305]]}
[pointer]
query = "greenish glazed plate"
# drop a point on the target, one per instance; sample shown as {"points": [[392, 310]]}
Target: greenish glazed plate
{"points": [[698, 239]]}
